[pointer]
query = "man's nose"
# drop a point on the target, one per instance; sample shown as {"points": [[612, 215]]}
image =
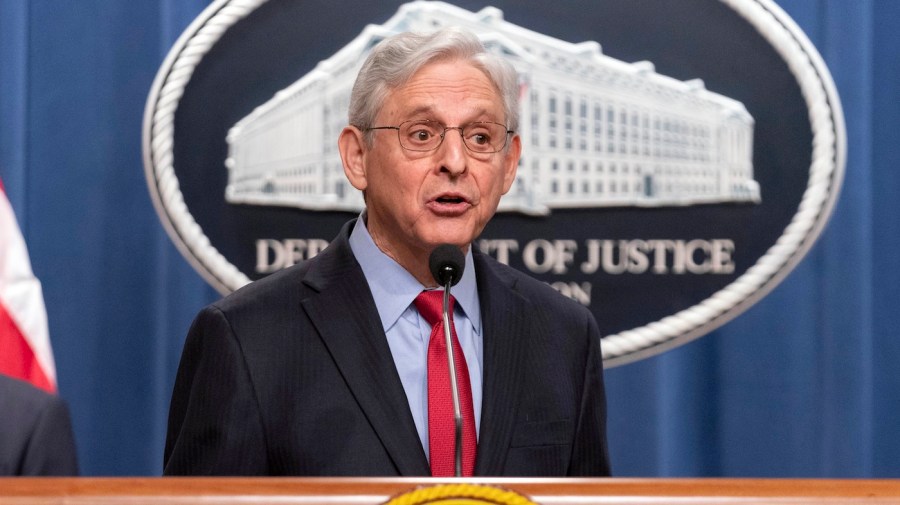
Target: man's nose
{"points": [[453, 151]]}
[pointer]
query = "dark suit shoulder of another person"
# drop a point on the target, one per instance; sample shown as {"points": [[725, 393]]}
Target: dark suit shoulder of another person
{"points": [[35, 432]]}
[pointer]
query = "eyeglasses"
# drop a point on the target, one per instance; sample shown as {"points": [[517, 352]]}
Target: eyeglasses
{"points": [[427, 135]]}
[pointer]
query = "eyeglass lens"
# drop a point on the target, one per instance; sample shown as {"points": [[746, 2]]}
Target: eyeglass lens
{"points": [[426, 135]]}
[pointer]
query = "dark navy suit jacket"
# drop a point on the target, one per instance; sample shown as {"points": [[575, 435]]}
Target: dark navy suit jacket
{"points": [[35, 432], [292, 375]]}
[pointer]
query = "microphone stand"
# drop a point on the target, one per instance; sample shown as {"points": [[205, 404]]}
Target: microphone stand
{"points": [[454, 389], [446, 263]]}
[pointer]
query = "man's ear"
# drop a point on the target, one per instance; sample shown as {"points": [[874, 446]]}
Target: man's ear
{"points": [[352, 147]]}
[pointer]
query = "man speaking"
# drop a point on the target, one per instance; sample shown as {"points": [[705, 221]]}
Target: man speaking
{"points": [[339, 366]]}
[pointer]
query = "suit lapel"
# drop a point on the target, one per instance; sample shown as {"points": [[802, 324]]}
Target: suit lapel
{"points": [[504, 332], [345, 315]]}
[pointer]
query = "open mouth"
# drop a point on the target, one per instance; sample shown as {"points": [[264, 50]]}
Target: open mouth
{"points": [[450, 205]]}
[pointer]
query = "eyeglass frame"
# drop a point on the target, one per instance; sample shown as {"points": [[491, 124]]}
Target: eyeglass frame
{"points": [[460, 129]]}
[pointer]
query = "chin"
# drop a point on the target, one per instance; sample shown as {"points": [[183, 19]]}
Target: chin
{"points": [[459, 234], [460, 240]]}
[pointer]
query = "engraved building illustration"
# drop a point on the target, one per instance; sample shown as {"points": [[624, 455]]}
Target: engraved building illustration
{"points": [[595, 131]]}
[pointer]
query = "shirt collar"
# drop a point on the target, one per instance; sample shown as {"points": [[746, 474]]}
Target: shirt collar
{"points": [[394, 289]]}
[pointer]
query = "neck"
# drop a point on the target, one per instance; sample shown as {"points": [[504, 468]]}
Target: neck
{"points": [[413, 259], [416, 262]]}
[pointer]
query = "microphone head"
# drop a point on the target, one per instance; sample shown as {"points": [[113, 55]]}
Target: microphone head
{"points": [[447, 263]]}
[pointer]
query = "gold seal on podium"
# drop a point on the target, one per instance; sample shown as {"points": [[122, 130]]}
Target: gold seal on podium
{"points": [[460, 494]]}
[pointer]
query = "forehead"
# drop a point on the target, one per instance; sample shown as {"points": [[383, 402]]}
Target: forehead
{"points": [[445, 90]]}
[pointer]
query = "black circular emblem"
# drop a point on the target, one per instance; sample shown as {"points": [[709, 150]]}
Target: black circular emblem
{"points": [[679, 158]]}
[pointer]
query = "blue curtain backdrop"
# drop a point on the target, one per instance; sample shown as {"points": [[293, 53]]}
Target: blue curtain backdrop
{"points": [[804, 384]]}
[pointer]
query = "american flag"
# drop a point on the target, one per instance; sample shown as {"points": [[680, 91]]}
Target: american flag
{"points": [[25, 351]]}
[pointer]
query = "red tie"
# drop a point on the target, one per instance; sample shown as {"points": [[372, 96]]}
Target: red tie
{"points": [[440, 401]]}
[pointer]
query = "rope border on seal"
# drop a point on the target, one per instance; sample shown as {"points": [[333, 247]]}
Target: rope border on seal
{"points": [[159, 133], [825, 175]]}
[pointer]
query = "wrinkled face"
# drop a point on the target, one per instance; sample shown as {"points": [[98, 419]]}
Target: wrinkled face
{"points": [[417, 200]]}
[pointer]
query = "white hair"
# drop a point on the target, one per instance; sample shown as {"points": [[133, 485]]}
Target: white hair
{"points": [[397, 58]]}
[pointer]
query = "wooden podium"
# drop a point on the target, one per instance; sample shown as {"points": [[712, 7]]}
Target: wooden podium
{"points": [[363, 491]]}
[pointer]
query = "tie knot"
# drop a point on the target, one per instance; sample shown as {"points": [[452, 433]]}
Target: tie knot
{"points": [[430, 305]]}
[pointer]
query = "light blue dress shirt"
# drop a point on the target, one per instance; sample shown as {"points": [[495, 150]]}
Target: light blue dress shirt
{"points": [[394, 290]]}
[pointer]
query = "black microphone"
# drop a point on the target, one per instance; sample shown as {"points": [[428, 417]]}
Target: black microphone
{"points": [[447, 263]]}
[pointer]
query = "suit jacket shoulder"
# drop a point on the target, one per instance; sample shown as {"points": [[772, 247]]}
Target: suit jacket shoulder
{"points": [[36, 440], [543, 306]]}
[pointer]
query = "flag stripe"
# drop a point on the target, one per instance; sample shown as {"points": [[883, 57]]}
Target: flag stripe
{"points": [[17, 359], [25, 351]]}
